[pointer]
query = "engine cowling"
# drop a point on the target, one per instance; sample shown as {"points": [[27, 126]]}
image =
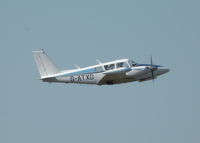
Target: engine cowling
{"points": [[137, 72]]}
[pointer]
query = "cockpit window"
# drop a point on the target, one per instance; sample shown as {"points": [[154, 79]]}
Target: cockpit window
{"points": [[122, 64], [132, 63], [109, 67]]}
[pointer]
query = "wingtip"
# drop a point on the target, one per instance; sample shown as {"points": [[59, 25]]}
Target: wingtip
{"points": [[38, 51]]}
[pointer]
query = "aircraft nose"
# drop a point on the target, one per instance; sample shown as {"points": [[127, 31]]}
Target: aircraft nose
{"points": [[164, 70]]}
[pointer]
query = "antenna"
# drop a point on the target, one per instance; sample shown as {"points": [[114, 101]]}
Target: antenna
{"points": [[77, 66], [98, 61]]}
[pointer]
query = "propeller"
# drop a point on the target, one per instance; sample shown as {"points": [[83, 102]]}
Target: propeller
{"points": [[152, 68]]}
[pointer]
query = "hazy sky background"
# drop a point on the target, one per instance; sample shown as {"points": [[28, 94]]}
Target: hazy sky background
{"points": [[78, 32]]}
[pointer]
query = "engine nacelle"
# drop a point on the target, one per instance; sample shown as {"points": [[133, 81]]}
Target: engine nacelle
{"points": [[117, 71], [137, 72]]}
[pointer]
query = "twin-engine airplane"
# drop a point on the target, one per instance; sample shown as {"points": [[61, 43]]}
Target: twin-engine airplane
{"points": [[115, 72]]}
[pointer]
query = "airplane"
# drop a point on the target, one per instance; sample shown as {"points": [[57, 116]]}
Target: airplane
{"points": [[109, 73]]}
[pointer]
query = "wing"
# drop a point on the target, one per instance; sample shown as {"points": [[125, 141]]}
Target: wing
{"points": [[111, 75]]}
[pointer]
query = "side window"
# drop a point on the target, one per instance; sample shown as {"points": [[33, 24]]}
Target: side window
{"points": [[125, 64], [122, 64], [106, 67], [109, 67], [119, 65], [99, 69]]}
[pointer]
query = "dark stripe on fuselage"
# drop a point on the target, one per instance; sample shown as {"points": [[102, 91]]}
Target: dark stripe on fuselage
{"points": [[148, 65], [86, 71]]}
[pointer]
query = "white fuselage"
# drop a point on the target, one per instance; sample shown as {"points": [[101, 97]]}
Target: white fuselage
{"points": [[115, 72], [114, 75]]}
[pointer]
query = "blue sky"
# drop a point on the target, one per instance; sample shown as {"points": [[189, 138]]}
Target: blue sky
{"points": [[78, 32]]}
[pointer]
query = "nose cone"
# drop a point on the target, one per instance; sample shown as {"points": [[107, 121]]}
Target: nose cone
{"points": [[163, 70]]}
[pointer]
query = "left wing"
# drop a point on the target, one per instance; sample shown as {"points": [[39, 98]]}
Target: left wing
{"points": [[111, 75]]}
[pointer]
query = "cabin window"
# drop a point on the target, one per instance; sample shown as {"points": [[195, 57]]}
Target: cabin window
{"points": [[99, 69], [109, 67], [122, 64]]}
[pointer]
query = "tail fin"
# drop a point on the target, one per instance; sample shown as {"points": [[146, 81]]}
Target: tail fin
{"points": [[45, 66]]}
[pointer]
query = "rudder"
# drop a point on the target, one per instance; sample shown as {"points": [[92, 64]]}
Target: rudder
{"points": [[45, 66]]}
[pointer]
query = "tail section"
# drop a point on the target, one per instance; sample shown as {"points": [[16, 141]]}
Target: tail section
{"points": [[45, 66]]}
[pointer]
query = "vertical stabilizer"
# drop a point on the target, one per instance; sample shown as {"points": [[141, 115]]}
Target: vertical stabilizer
{"points": [[45, 66]]}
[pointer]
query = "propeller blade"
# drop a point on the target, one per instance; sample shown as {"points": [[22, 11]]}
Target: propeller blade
{"points": [[152, 74], [152, 70], [151, 60]]}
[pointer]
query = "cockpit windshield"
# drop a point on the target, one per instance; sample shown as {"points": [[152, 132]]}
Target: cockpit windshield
{"points": [[132, 63]]}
